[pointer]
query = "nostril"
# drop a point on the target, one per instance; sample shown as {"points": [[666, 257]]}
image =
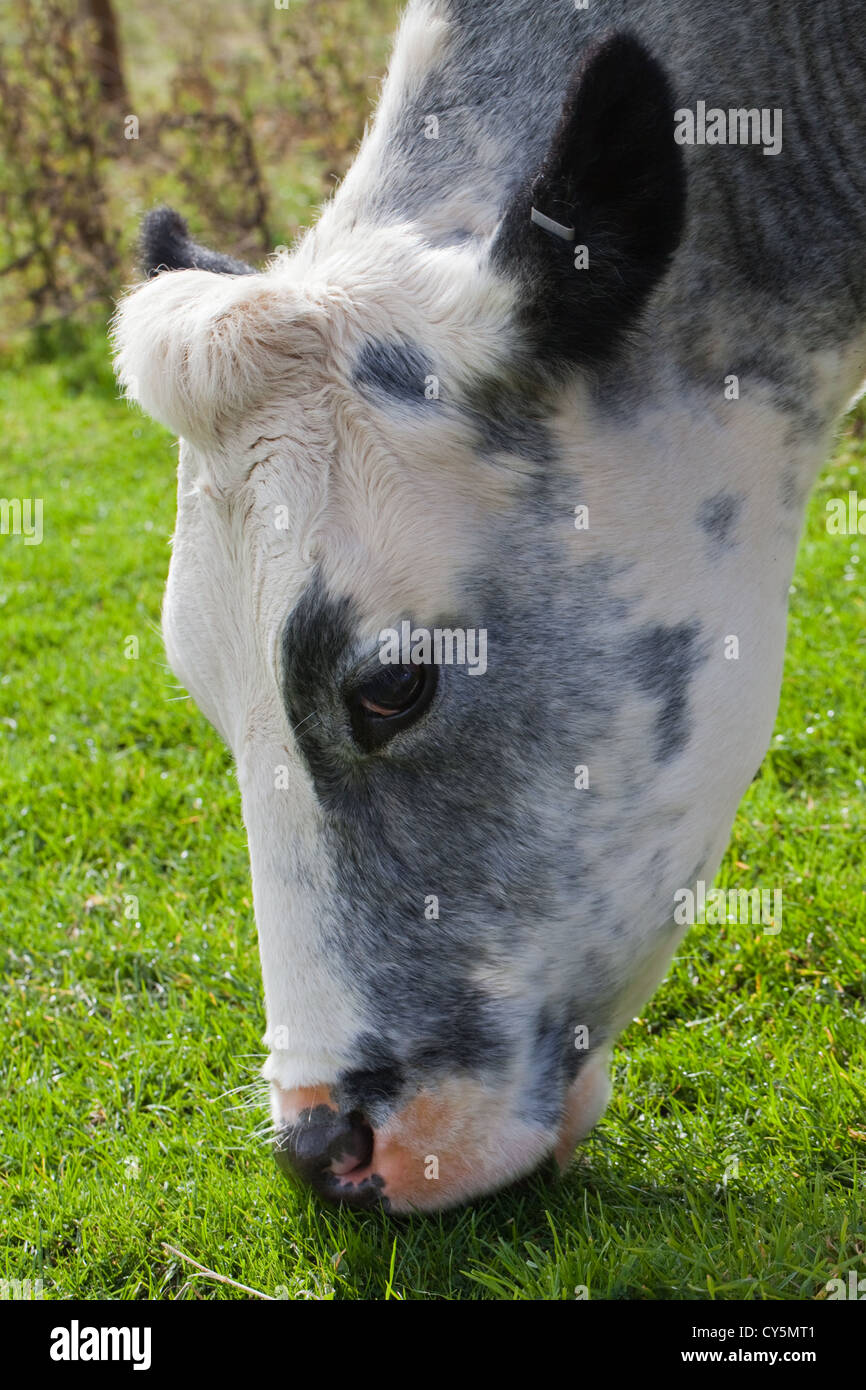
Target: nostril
{"points": [[323, 1141], [356, 1146], [349, 1164]]}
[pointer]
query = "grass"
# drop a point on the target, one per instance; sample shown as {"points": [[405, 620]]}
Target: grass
{"points": [[131, 997]]}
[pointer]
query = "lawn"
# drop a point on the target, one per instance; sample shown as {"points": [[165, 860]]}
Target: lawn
{"points": [[731, 1161]]}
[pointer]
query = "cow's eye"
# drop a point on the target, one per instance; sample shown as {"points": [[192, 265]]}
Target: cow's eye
{"points": [[392, 690], [388, 701]]}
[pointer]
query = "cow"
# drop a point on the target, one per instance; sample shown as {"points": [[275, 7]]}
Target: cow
{"points": [[558, 364]]}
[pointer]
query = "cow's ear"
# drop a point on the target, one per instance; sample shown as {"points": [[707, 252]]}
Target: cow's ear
{"points": [[591, 232], [165, 244], [198, 350]]}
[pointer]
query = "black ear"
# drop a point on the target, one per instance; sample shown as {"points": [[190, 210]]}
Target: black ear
{"points": [[165, 244], [612, 182]]}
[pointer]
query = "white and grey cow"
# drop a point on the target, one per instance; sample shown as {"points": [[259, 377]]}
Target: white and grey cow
{"points": [[396, 421]]}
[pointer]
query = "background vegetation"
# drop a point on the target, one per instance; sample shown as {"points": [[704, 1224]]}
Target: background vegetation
{"points": [[240, 114]]}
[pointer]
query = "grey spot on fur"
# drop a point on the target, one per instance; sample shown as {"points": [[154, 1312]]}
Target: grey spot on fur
{"points": [[718, 515], [554, 1062], [788, 490], [511, 433], [792, 492], [396, 369], [664, 661]]}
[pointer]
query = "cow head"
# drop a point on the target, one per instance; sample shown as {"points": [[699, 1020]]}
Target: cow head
{"points": [[464, 878]]}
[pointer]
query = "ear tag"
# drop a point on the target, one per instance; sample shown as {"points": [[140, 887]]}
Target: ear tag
{"points": [[548, 225]]}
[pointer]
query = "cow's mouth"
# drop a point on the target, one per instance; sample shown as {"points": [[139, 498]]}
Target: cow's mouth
{"points": [[442, 1148]]}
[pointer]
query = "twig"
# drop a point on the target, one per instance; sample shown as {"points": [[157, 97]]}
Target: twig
{"points": [[222, 1278]]}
